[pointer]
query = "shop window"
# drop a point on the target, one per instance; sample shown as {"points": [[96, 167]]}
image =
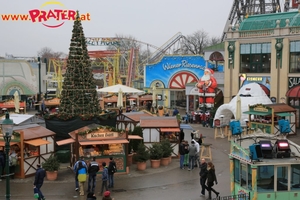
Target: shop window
{"points": [[236, 171], [294, 62], [255, 58], [282, 178], [295, 178], [249, 177], [30, 151], [244, 175], [101, 150], [265, 178]]}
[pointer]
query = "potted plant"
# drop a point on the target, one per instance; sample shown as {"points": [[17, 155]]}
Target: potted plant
{"points": [[167, 152], [51, 166], [141, 156], [135, 143], [156, 154]]}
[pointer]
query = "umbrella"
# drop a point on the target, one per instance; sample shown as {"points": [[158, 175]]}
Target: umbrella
{"points": [[17, 101], [154, 96], [238, 108], [120, 99], [116, 88]]}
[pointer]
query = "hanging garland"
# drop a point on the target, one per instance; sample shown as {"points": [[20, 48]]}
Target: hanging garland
{"points": [[102, 128]]}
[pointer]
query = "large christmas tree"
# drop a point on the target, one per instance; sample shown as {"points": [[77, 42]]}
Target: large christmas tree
{"points": [[79, 95]]}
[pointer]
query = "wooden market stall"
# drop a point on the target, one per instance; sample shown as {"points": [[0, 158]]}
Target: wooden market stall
{"points": [[130, 120], [52, 104], [10, 105], [33, 144], [261, 169], [100, 142], [155, 129], [266, 117]]}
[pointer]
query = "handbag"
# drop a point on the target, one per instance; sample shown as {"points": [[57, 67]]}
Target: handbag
{"points": [[35, 193]]}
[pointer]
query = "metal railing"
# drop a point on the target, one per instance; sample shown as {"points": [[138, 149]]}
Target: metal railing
{"points": [[235, 197]]}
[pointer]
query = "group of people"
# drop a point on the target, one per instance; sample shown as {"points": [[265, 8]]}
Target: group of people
{"points": [[12, 162], [189, 154], [81, 169]]}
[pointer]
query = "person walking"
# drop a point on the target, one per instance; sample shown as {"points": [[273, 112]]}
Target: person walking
{"points": [[211, 178], [181, 153], [197, 159], [192, 154], [81, 176], [203, 176], [75, 170], [39, 180], [93, 168], [186, 154], [104, 178], [112, 169]]}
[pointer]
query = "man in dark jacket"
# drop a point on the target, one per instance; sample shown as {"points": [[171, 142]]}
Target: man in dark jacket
{"points": [[93, 168], [112, 168], [203, 176], [182, 153], [39, 180]]}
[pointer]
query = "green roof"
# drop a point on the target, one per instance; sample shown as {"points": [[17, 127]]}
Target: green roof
{"points": [[268, 21], [216, 47]]}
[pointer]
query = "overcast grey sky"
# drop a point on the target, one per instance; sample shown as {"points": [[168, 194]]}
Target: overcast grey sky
{"points": [[150, 21]]}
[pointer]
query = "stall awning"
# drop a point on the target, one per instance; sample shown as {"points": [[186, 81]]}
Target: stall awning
{"points": [[256, 113], [134, 137], [66, 141], [92, 142], [169, 129], [37, 142], [283, 114], [2, 143]]}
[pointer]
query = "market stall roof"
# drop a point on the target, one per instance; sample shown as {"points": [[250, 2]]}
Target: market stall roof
{"points": [[159, 122], [134, 137], [281, 107], [33, 131], [186, 126], [37, 142], [136, 116], [82, 129], [115, 141], [66, 141], [20, 118], [116, 88]]}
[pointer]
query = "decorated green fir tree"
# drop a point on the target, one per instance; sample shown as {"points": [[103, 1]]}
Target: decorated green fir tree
{"points": [[79, 95]]}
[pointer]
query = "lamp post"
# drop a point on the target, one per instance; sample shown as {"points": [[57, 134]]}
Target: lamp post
{"points": [[7, 130]]}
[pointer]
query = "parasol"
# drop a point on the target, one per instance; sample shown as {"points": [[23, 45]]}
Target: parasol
{"points": [[17, 101]]}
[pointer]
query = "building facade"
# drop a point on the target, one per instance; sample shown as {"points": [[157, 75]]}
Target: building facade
{"points": [[265, 49]]}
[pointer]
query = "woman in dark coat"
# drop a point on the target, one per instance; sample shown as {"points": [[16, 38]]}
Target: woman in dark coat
{"points": [[211, 178]]}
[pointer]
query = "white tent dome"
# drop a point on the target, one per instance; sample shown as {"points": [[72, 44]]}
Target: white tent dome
{"points": [[250, 94]]}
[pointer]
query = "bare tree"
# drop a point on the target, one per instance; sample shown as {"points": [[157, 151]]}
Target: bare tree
{"points": [[47, 53], [196, 42]]}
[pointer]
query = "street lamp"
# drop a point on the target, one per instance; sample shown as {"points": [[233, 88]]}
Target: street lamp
{"points": [[7, 130]]}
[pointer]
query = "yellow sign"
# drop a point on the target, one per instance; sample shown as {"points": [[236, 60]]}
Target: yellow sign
{"points": [[260, 109]]}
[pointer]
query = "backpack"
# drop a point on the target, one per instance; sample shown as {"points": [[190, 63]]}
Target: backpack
{"points": [[14, 160], [114, 169]]}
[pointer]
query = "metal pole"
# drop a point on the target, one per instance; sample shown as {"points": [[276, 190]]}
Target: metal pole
{"points": [[40, 90], [7, 148]]}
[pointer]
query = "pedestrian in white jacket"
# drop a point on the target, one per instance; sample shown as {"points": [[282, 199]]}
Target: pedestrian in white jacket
{"points": [[197, 160]]}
